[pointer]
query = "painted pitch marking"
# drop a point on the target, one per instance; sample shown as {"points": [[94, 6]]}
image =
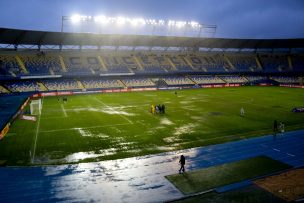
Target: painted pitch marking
{"points": [[37, 132], [54, 117], [290, 154], [276, 150], [112, 109], [64, 111]]}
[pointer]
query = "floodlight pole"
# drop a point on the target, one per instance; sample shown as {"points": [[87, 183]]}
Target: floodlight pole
{"points": [[64, 18]]}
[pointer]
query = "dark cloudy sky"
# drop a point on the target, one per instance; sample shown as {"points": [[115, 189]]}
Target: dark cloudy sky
{"points": [[234, 18]]}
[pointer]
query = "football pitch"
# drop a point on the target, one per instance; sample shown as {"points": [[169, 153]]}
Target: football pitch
{"points": [[99, 127]]}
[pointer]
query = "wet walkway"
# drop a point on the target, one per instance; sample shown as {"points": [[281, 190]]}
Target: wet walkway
{"points": [[139, 179]]}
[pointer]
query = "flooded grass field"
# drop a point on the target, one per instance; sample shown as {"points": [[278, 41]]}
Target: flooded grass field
{"points": [[111, 126]]}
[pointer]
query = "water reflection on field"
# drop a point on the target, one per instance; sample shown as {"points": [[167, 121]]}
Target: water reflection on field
{"points": [[138, 179]]}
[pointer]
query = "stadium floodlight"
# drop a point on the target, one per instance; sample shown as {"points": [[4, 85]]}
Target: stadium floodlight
{"points": [[137, 21], [161, 22], [180, 24], [121, 20], [158, 25], [194, 24], [171, 23], [75, 18], [102, 19]]}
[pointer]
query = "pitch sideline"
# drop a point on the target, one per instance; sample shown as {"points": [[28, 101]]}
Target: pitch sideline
{"points": [[37, 132]]}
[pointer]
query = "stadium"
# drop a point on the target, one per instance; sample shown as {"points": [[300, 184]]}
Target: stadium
{"points": [[106, 117]]}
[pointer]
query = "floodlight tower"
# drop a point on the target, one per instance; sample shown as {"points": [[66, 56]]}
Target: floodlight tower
{"points": [[116, 25]]}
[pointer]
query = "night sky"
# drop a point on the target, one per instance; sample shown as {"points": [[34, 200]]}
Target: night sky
{"points": [[234, 18]]}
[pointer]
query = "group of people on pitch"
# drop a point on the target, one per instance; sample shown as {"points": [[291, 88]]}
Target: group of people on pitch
{"points": [[158, 109]]}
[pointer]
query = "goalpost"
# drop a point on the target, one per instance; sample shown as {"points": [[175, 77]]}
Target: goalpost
{"points": [[35, 107]]}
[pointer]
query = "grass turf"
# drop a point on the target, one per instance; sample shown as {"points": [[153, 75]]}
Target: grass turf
{"points": [[111, 126], [225, 174], [249, 194]]}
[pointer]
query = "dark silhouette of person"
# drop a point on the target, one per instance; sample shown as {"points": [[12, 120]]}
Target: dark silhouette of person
{"points": [[275, 127], [182, 162]]}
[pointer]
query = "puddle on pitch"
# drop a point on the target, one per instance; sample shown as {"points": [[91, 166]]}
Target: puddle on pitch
{"points": [[185, 102], [108, 110], [86, 155], [185, 129], [171, 139], [166, 121], [87, 133], [112, 111]]}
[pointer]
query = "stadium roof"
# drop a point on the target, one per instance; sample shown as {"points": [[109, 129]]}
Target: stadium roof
{"points": [[27, 37]]}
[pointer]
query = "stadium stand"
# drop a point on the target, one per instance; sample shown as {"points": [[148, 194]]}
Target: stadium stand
{"points": [[101, 83], [191, 61], [179, 63], [80, 63], [154, 63], [61, 84], [178, 80], [255, 78], [23, 86], [243, 62], [76, 63], [9, 66], [214, 63], [118, 62], [200, 79], [233, 79], [286, 79], [3, 90], [274, 63], [297, 63], [41, 64], [138, 82]]}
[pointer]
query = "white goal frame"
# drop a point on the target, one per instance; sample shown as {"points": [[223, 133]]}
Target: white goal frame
{"points": [[35, 107]]}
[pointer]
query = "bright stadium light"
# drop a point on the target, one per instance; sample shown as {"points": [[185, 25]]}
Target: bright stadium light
{"points": [[75, 18], [102, 19], [168, 27], [137, 21], [121, 20], [180, 24], [161, 22], [194, 24], [171, 23]]}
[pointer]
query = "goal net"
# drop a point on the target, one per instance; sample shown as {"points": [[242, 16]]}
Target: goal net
{"points": [[36, 107]]}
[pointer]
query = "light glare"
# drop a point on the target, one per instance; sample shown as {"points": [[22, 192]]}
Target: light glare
{"points": [[75, 18], [133, 21]]}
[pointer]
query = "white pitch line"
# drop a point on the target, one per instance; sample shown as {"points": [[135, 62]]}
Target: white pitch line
{"points": [[98, 126], [54, 117], [290, 154], [37, 131], [64, 111], [276, 150], [112, 109]]}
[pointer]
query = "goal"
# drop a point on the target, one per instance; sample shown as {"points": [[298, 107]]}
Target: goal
{"points": [[36, 107]]}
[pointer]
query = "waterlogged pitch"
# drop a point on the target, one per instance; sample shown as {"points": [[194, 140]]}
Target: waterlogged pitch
{"points": [[110, 126]]}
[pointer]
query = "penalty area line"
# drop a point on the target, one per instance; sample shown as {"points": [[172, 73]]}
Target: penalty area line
{"points": [[64, 111], [113, 110]]}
